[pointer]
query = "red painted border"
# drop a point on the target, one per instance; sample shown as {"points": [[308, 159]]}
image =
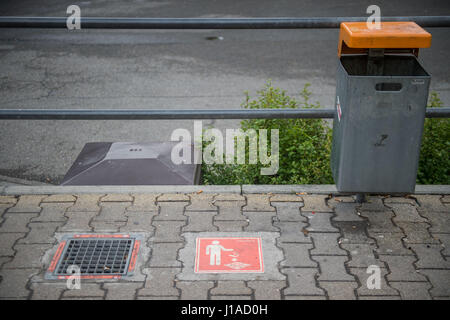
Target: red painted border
{"points": [[133, 258], [93, 277], [56, 257], [101, 236]]}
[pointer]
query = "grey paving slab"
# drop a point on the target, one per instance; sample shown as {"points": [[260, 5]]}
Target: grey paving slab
{"points": [[117, 197], [413, 290], [4, 259], [139, 221], [53, 212], [201, 202], [194, 290], [363, 275], [231, 297], [107, 226], [379, 298], [3, 208], [444, 238], [282, 198], [59, 198], [260, 221], [167, 231], [297, 255], [47, 291], [200, 221], [27, 204], [320, 222], [229, 210], [173, 197], [230, 287], [258, 202], [354, 232], [160, 282], [332, 268], [390, 202], [294, 297], [288, 211], [402, 268], [14, 283], [144, 202], [86, 203], [431, 203], [16, 222], [406, 212], [165, 255], [111, 211], [391, 243], [293, 232], [302, 282], [416, 232], [373, 203], [345, 211], [316, 203], [8, 200], [121, 290], [326, 244], [85, 290], [339, 290], [27, 256], [361, 255], [430, 256], [440, 280], [439, 220], [267, 290], [230, 226], [7, 241], [380, 221], [78, 221], [171, 211], [41, 232]]}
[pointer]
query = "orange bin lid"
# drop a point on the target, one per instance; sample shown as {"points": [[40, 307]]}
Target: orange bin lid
{"points": [[391, 35]]}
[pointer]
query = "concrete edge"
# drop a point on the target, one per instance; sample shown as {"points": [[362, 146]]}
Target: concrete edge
{"points": [[244, 189], [290, 188], [19, 190], [432, 189], [331, 189]]}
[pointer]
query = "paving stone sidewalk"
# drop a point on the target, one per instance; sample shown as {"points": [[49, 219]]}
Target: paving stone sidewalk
{"points": [[314, 246]]}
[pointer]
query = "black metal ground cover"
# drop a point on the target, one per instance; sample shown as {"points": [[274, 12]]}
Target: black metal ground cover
{"points": [[95, 256]]}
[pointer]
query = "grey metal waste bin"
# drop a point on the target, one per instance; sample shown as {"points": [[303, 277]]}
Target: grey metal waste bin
{"points": [[380, 110]]}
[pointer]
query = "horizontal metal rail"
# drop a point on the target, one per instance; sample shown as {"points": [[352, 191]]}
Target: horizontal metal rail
{"points": [[143, 114], [210, 23]]}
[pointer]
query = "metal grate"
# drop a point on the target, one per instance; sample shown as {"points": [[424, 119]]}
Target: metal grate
{"points": [[96, 256]]}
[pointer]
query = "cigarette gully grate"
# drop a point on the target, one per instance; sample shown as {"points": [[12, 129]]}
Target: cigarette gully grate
{"points": [[97, 256]]}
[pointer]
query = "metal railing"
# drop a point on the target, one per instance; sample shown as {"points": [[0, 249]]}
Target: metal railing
{"points": [[143, 114], [196, 23], [210, 23]]}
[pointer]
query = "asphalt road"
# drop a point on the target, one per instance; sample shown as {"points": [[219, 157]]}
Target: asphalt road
{"points": [[157, 69]]}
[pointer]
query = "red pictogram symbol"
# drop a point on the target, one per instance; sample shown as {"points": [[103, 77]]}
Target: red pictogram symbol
{"points": [[229, 255]]}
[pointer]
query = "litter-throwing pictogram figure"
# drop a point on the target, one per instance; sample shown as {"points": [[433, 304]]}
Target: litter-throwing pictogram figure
{"points": [[214, 250]]}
